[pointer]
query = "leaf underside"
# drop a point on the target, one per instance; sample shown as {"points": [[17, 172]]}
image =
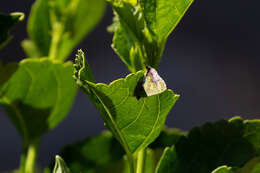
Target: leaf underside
{"points": [[38, 95]]}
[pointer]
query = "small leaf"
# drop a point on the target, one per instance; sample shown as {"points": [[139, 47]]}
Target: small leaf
{"points": [[55, 27], [168, 161], [223, 169], [60, 166], [134, 128], [6, 23], [38, 96], [94, 154]]}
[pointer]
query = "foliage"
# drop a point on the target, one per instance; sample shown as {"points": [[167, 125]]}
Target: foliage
{"points": [[55, 27], [38, 92], [141, 29], [6, 23]]}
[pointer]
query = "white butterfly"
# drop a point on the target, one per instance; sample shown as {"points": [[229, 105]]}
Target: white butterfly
{"points": [[153, 83]]}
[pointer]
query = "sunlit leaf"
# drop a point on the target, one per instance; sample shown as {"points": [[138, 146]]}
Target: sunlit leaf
{"points": [[134, 128], [55, 27], [141, 29], [38, 96]]}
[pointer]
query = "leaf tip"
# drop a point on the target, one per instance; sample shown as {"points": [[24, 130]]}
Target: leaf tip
{"points": [[60, 165], [19, 15], [82, 70]]}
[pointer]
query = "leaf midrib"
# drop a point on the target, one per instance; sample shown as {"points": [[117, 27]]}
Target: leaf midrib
{"points": [[124, 143]]}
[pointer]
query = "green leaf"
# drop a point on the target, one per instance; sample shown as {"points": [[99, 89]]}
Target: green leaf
{"points": [[215, 144], [8, 71], [94, 154], [55, 27], [167, 138], [256, 169], [162, 16], [252, 133], [38, 96], [251, 166], [141, 29], [101, 154], [6, 23], [134, 128], [60, 166], [168, 161], [223, 169]]}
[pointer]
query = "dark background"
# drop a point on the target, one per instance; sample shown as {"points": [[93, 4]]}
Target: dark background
{"points": [[211, 59]]}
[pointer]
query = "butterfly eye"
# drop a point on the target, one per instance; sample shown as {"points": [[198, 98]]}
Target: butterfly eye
{"points": [[153, 83]]}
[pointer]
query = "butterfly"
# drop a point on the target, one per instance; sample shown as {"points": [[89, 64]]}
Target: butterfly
{"points": [[153, 84]]}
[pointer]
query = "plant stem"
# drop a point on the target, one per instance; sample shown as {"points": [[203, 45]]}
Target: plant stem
{"points": [[28, 158], [140, 161], [56, 37], [131, 162]]}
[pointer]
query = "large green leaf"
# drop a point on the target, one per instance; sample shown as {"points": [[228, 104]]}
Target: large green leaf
{"points": [[135, 122], [214, 144], [141, 29], [6, 23], [55, 27], [38, 95]]}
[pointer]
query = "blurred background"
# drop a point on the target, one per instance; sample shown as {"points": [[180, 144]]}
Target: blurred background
{"points": [[212, 60]]}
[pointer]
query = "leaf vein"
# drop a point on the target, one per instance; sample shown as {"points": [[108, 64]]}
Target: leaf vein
{"points": [[137, 117]]}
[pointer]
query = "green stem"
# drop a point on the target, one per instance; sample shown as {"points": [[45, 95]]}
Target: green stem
{"points": [[130, 160], [22, 160], [140, 161], [28, 158], [56, 37]]}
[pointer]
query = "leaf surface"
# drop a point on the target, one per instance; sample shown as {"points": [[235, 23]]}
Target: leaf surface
{"points": [[6, 23], [167, 138], [214, 144], [168, 161], [134, 122], [162, 16], [38, 95], [55, 27], [97, 154]]}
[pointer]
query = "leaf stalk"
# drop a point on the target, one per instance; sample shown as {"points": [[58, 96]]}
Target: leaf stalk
{"points": [[28, 158]]}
